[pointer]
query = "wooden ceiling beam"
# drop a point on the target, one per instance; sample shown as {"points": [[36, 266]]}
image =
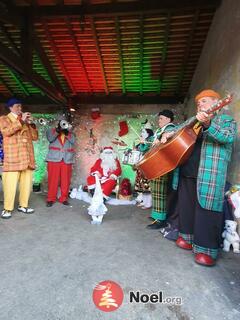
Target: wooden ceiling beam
{"points": [[26, 34], [164, 51], [46, 63], [18, 81], [99, 55], [120, 54], [117, 8], [76, 47], [58, 56], [126, 99], [9, 37], [6, 85], [9, 13], [15, 63], [187, 52], [60, 3], [141, 35]]}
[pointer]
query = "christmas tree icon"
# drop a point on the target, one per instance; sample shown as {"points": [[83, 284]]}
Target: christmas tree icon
{"points": [[106, 299]]}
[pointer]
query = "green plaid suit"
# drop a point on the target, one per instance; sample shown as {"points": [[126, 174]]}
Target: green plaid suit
{"points": [[159, 186], [215, 155], [204, 232]]}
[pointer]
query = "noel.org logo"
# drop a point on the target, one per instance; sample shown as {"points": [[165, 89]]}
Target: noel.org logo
{"points": [[108, 296]]}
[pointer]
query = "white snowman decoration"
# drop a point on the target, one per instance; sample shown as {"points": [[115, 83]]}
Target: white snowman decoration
{"points": [[231, 237]]}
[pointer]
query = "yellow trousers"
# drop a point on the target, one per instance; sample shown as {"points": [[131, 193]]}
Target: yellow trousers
{"points": [[10, 181]]}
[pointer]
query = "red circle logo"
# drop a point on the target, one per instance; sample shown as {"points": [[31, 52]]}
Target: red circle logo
{"points": [[108, 296]]}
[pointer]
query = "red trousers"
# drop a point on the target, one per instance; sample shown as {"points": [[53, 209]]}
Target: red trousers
{"points": [[58, 171], [107, 187]]}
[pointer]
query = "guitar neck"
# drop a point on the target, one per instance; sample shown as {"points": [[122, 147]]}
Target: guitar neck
{"points": [[188, 123], [216, 106]]}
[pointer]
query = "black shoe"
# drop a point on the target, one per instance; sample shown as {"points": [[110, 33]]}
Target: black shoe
{"points": [[150, 218], [157, 224], [49, 204], [66, 203], [172, 235]]}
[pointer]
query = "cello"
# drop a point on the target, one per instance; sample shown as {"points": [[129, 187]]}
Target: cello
{"points": [[163, 158]]}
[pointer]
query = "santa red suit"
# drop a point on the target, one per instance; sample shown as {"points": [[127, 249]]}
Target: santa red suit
{"points": [[108, 169]]}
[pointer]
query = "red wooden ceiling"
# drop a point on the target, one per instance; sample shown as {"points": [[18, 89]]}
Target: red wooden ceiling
{"points": [[78, 49]]}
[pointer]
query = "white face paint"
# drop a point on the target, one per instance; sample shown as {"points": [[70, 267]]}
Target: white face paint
{"points": [[144, 134]]}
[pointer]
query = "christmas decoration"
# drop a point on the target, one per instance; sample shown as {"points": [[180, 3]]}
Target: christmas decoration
{"points": [[95, 113], [80, 194], [92, 135], [91, 146], [125, 190], [123, 128], [97, 209], [119, 142]]}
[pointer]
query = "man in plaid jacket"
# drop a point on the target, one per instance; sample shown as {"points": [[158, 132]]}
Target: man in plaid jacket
{"points": [[19, 163], [201, 182]]}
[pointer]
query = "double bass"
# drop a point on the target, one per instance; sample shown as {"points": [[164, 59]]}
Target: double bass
{"points": [[163, 158]]}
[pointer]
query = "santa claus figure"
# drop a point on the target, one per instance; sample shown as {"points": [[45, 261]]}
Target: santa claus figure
{"points": [[108, 169]]}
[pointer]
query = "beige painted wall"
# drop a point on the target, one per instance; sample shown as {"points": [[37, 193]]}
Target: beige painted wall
{"points": [[219, 68]]}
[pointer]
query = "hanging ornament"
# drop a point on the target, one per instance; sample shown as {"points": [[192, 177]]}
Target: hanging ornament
{"points": [[119, 142], [95, 113], [123, 128], [92, 137]]}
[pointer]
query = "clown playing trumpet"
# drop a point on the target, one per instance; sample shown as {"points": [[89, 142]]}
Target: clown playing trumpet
{"points": [[18, 134]]}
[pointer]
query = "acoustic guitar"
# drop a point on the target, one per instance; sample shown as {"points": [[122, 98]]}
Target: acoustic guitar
{"points": [[163, 158]]}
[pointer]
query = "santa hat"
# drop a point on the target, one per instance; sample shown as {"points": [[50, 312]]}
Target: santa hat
{"points": [[107, 151], [207, 93]]}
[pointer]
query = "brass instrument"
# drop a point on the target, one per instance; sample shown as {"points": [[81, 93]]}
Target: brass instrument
{"points": [[40, 121], [65, 125]]}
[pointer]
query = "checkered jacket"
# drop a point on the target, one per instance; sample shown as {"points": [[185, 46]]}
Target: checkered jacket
{"points": [[59, 150], [17, 144], [215, 156]]}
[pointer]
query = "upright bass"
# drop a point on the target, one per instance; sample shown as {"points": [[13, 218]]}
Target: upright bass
{"points": [[163, 158]]}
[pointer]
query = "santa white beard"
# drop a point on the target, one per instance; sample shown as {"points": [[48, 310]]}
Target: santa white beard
{"points": [[108, 163]]}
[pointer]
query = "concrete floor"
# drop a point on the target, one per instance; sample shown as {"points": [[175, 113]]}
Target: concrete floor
{"points": [[51, 261]]}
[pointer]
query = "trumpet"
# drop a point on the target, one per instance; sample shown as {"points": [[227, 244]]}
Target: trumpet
{"points": [[65, 125], [32, 120], [40, 121]]}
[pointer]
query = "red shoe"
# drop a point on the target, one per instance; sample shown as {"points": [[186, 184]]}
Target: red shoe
{"points": [[183, 244], [204, 259]]}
